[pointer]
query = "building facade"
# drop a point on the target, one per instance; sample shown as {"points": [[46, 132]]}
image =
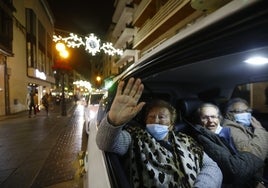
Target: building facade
{"points": [[26, 52], [139, 26]]}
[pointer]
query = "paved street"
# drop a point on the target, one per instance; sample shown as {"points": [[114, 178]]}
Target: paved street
{"points": [[42, 151]]}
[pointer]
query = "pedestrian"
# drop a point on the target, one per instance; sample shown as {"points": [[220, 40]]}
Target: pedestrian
{"points": [[30, 103], [36, 106], [45, 102]]}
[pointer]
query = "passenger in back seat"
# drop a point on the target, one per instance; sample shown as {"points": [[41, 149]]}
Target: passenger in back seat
{"points": [[158, 156], [248, 133], [240, 169], [210, 117]]}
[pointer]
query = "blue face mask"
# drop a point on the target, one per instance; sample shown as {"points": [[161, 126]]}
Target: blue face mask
{"points": [[158, 131], [243, 118]]}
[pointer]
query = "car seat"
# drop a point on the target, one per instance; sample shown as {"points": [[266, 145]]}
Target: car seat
{"points": [[187, 108]]}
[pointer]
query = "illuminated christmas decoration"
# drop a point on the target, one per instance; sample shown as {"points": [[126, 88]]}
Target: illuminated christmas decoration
{"points": [[109, 49], [91, 43]]}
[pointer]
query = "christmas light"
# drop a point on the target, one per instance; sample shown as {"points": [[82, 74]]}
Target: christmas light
{"points": [[91, 43]]}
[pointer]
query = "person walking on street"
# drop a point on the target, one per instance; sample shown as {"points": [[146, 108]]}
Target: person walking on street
{"points": [[36, 106], [30, 103], [45, 102]]}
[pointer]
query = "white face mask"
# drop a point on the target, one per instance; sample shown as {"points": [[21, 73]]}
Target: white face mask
{"points": [[158, 131], [243, 118]]}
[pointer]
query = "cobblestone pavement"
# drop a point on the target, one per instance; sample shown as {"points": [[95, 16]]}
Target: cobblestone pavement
{"points": [[42, 151]]}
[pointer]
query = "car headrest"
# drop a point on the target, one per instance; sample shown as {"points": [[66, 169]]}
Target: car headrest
{"points": [[188, 106]]}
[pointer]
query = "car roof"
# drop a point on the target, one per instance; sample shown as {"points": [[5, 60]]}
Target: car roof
{"points": [[211, 56]]}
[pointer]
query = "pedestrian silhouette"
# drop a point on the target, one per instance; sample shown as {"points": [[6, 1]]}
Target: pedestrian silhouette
{"points": [[30, 103], [45, 102]]}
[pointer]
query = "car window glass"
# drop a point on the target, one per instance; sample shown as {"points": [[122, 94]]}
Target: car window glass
{"points": [[255, 93]]}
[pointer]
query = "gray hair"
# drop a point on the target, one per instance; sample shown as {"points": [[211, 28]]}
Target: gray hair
{"points": [[230, 107], [231, 102], [204, 105]]}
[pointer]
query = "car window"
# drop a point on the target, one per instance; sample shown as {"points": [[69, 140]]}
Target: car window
{"points": [[95, 98], [255, 93], [257, 96]]}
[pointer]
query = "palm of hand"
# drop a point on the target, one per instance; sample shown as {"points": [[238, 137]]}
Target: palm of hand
{"points": [[123, 109], [125, 105]]}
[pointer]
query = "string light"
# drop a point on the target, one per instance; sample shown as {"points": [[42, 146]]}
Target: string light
{"points": [[91, 43]]}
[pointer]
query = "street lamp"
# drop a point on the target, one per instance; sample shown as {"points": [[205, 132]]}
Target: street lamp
{"points": [[98, 79], [63, 54]]}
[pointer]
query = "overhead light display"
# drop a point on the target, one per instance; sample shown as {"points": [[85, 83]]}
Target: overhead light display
{"points": [[91, 44]]}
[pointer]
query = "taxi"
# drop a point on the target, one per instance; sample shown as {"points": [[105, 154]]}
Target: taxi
{"points": [[223, 56]]}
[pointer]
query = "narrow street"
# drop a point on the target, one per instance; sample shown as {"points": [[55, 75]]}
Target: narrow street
{"points": [[42, 151]]}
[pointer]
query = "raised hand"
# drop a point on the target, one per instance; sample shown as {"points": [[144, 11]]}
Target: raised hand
{"points": [[125, 105]]}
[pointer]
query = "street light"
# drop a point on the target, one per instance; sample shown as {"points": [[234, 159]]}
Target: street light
{"points": [[98, 79], [63, 54]]}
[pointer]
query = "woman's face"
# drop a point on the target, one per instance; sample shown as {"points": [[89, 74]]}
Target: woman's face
{"points": [[159, 115]]}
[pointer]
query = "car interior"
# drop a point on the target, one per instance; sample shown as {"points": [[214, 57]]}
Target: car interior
{"points": [[207, 66]]}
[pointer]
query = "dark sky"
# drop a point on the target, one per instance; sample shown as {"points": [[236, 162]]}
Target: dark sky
{"points": [[82, 17]]}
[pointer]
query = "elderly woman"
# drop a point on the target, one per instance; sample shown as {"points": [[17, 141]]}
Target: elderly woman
{"points": [[248, 133], [159, 156]]}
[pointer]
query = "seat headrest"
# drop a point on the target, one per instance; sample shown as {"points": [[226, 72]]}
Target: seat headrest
{"points": [[188, 106]]}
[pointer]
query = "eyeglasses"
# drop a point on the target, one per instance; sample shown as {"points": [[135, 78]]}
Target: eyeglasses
{"points": [[241, 111], [209, 117]]}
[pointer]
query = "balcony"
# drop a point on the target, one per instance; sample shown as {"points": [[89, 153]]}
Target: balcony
{"points": [[125, 18], [119, 8], [128, 54], [144, 10], [126, 35], [173, 13]]}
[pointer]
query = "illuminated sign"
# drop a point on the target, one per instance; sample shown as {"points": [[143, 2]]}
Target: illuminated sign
{"points": [[40, 75]]}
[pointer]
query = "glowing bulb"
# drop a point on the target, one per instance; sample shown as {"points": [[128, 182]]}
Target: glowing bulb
{"points": [[64, 54], [60, 46], [98, 78]]}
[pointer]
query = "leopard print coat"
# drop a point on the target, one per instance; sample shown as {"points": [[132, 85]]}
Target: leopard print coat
{"points": [[154, 165]]}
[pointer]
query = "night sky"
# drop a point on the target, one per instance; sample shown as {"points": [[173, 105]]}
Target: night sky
{"points": [[82, 17]]}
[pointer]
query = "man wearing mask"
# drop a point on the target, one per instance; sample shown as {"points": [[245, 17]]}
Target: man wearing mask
{"points": [[247, 132]]}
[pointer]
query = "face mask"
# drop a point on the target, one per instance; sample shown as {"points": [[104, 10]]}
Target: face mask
{"points": [[158, 131], [243, 118]]}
